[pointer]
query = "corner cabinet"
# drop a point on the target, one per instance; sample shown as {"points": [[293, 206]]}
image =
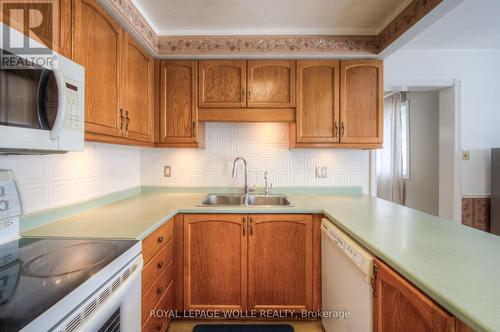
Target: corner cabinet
{"points": [[400, 306], [339, 105], [246, 262], [179, 126]]}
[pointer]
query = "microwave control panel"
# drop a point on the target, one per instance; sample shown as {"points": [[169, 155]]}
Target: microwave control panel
{"points": [[73, 116]]}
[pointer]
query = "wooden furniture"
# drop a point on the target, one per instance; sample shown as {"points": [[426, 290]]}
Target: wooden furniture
{"points": [[339, 105], [179, 126], [245, 262], [118, 79], [400, 306], [158, 276], [246, 91]]}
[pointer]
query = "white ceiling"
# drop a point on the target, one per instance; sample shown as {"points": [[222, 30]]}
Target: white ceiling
{"points": [[243, 17], [474, 24]]}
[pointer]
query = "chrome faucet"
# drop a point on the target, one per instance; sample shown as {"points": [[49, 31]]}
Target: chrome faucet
{"points": [[269, 186], [246, 188]]}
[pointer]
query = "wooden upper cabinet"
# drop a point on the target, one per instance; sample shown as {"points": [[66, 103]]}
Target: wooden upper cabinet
{"points": [[317, 102], [57, 35], [400, 306], [98, 46], [362, 101], [280, 262], [178, 109], [271, 84], [215, 262], [138, 92], [222, 84]]}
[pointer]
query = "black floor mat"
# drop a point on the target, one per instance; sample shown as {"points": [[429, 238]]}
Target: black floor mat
{"points": [[243, 328]]}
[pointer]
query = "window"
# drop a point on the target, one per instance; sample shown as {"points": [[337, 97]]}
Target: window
{"points": [[405, 139]]}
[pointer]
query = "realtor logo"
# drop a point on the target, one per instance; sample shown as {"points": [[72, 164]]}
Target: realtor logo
{"points": [[36, 19]]}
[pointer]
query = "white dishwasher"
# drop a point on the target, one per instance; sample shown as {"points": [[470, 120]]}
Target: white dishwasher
{"points": [[346, 274]]}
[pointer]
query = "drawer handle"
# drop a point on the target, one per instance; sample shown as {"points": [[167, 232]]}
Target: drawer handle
{"points": [[159, 327], [160, 265], [159, 290], [160, 239]]}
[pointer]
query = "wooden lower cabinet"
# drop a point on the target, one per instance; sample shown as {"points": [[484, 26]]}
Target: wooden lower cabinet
{"points": [[158, 291], [280, 262], [215, 262], [400, 306], [251, 262]]}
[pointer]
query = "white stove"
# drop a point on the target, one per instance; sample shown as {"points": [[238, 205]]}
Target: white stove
{"points": [[66, 285]]}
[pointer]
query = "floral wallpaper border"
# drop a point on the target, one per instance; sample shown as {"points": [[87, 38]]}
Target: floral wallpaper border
{"points": [[251, 45]]}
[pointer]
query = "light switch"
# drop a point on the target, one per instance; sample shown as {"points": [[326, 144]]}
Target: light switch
{"points": [[465, 155], [321, 172], [167, 171]]}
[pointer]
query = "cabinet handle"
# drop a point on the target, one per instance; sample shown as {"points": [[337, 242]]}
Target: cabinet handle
{"points": [[251, 226], [122, 119], [244, 225], [128, 121], [342, 129], [159, 327], [159, 290], [336, 132], [243, 93], [160, 239], [373, 278], [249, 94], [160, 265]]}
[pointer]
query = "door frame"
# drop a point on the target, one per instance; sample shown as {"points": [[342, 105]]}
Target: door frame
{"points": [[455, 84]]}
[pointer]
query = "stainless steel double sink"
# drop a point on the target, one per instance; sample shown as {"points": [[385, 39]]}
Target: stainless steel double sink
{"points": [[239, 200]]}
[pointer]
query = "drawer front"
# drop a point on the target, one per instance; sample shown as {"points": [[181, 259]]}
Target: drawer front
{"points": [[160, 324], [157, 265], [156, 240], [152, 296]]}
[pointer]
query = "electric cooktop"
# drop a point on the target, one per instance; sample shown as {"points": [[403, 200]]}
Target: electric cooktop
{"points": [[36, 273]]}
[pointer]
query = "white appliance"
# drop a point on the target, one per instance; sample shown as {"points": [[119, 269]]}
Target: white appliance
{"points": [[347, 269], [64, 285], [41, 98]]}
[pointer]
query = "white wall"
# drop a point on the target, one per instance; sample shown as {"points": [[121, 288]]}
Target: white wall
{"points": [[479, 73], [59, 179], [265, 147], [422, 189]]}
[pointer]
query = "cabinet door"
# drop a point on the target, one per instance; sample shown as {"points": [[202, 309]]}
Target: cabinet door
{"points": [[215, 262], [399, 306], [179, 111], [271, 84], [280, 262], [317, 101], [99, 49], [138, 91], [56, 35], [362, 101], [222, 84]]}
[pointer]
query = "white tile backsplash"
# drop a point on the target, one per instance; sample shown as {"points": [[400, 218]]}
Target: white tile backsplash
{"points": [[49, 181], [265, 147]]}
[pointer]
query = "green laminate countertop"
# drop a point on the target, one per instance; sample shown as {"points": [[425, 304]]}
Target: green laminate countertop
{"points": [[457, 266]]}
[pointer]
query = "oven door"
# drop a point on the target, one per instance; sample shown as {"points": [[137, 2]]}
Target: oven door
{"points": [[32, 105]]}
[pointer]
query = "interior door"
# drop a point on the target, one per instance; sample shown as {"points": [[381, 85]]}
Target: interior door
{"points": [[362, 101], [138, 92], [317, 101], [215, 262], [99, 49], [222, 84], [271, 84], [280, 262]]}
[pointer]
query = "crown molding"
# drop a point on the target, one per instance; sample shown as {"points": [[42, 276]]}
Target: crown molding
{"points": [[237, 45]]}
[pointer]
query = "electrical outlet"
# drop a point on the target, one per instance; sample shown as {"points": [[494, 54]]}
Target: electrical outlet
{"points": [[321, 172], [465, 155], [167, 171]]}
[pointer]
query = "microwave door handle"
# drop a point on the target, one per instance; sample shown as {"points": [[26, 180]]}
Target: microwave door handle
{"points": [[61, 103]]}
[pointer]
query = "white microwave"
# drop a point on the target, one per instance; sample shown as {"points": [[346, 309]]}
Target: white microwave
{"points": [[41, 97]]}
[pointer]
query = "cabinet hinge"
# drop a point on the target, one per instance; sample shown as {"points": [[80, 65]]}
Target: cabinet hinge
{"points": [[373, 279]]}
